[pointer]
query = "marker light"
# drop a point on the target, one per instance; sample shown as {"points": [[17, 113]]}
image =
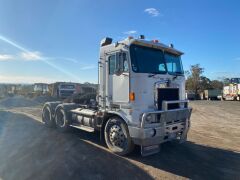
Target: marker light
{"points": [[130, 37], [131, 96], [141, 37], [155, 41], [171, 45]]}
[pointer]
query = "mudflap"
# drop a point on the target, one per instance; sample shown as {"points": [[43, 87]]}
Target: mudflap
{"points": [[149, 150]]}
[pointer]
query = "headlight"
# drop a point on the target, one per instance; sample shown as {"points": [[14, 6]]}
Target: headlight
{"points": [[151, 118]]}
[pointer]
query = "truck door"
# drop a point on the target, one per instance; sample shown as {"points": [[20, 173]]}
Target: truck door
{"points": [[118, 79]]}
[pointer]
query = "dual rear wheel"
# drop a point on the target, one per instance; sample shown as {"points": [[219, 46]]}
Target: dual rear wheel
{"points": [[60, 119], [47, 117]]}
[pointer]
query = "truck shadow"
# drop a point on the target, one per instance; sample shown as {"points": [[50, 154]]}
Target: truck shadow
{"points": [[190, 160], [194, 161], [28, 150]]}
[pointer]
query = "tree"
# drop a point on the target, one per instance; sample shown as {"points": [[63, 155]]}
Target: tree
{"points": [[205, 83], [215, 84], [224, 80], [195, 81]]}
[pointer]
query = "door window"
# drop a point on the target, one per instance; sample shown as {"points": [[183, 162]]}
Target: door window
{"points": [[112, 64], [118, 63]]}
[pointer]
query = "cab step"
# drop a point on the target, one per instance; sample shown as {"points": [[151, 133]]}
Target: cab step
{"points": [[82, 127]]}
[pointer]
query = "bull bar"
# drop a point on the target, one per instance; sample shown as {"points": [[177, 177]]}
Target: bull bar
{"points": [[171, 122]]}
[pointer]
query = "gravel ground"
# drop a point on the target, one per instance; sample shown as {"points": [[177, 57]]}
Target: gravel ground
{"points": [[28, 150], [17, 101]]}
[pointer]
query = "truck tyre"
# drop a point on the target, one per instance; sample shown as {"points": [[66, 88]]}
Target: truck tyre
{"points": [[117, 136], [62, 119], [238, 98], [47, 117]]}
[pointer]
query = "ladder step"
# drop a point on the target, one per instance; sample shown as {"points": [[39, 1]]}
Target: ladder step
{"points": [[85, 128]]}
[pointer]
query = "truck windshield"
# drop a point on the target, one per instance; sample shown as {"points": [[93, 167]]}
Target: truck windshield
{"points": [[147, 60], [151, 60]]}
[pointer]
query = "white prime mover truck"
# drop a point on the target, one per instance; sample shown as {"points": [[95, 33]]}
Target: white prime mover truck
{"points": [[140, 98]]}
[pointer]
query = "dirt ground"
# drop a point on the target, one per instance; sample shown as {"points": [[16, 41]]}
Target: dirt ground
{"points": [[28, 150]]}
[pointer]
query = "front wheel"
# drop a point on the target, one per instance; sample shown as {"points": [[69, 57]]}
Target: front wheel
{"points": [[117, 136]]}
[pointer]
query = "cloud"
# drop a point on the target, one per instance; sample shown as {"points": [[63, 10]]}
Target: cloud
{"points": [[6, 57], [152, 12], [130, 32], [70, 59], [87, 67], [237, 59], [25, 56], [31, 56]]}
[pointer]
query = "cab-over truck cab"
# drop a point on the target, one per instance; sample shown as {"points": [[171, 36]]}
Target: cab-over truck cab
{"points": [[140, 100]]}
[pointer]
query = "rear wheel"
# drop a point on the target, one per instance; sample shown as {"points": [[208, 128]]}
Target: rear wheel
{"points": [[47, 117], [117, 136], [61, 120]]}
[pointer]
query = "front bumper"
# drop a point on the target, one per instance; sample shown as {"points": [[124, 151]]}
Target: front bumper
{"points": [[172, 124]]}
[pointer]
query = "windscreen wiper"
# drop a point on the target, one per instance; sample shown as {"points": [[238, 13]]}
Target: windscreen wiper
{"points": [[176, 74], [152, 74]]}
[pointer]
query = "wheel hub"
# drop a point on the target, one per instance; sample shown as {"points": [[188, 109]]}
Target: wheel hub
{"points": [[117, 137]]}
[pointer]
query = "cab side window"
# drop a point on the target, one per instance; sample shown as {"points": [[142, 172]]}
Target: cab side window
{"points": [[112, 64], [118, 63], [124, 62]]}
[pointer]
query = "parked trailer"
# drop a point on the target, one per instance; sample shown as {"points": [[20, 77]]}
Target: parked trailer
{"points": [[213, 94], [140, 100]]}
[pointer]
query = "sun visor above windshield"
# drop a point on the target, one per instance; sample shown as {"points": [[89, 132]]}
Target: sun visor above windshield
{"points": [[157, 46]]}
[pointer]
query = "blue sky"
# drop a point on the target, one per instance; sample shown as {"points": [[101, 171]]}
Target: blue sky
{"points": [[57, 40]]}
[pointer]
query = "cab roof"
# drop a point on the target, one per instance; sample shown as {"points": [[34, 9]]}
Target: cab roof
{"points": [[107, 43]]}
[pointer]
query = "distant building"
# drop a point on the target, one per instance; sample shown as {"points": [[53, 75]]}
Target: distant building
{"points": [[14, 89], [41, 87]]}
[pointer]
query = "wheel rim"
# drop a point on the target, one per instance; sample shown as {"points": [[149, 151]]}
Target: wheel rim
{"points": [[117, 137], [60, 119]]}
